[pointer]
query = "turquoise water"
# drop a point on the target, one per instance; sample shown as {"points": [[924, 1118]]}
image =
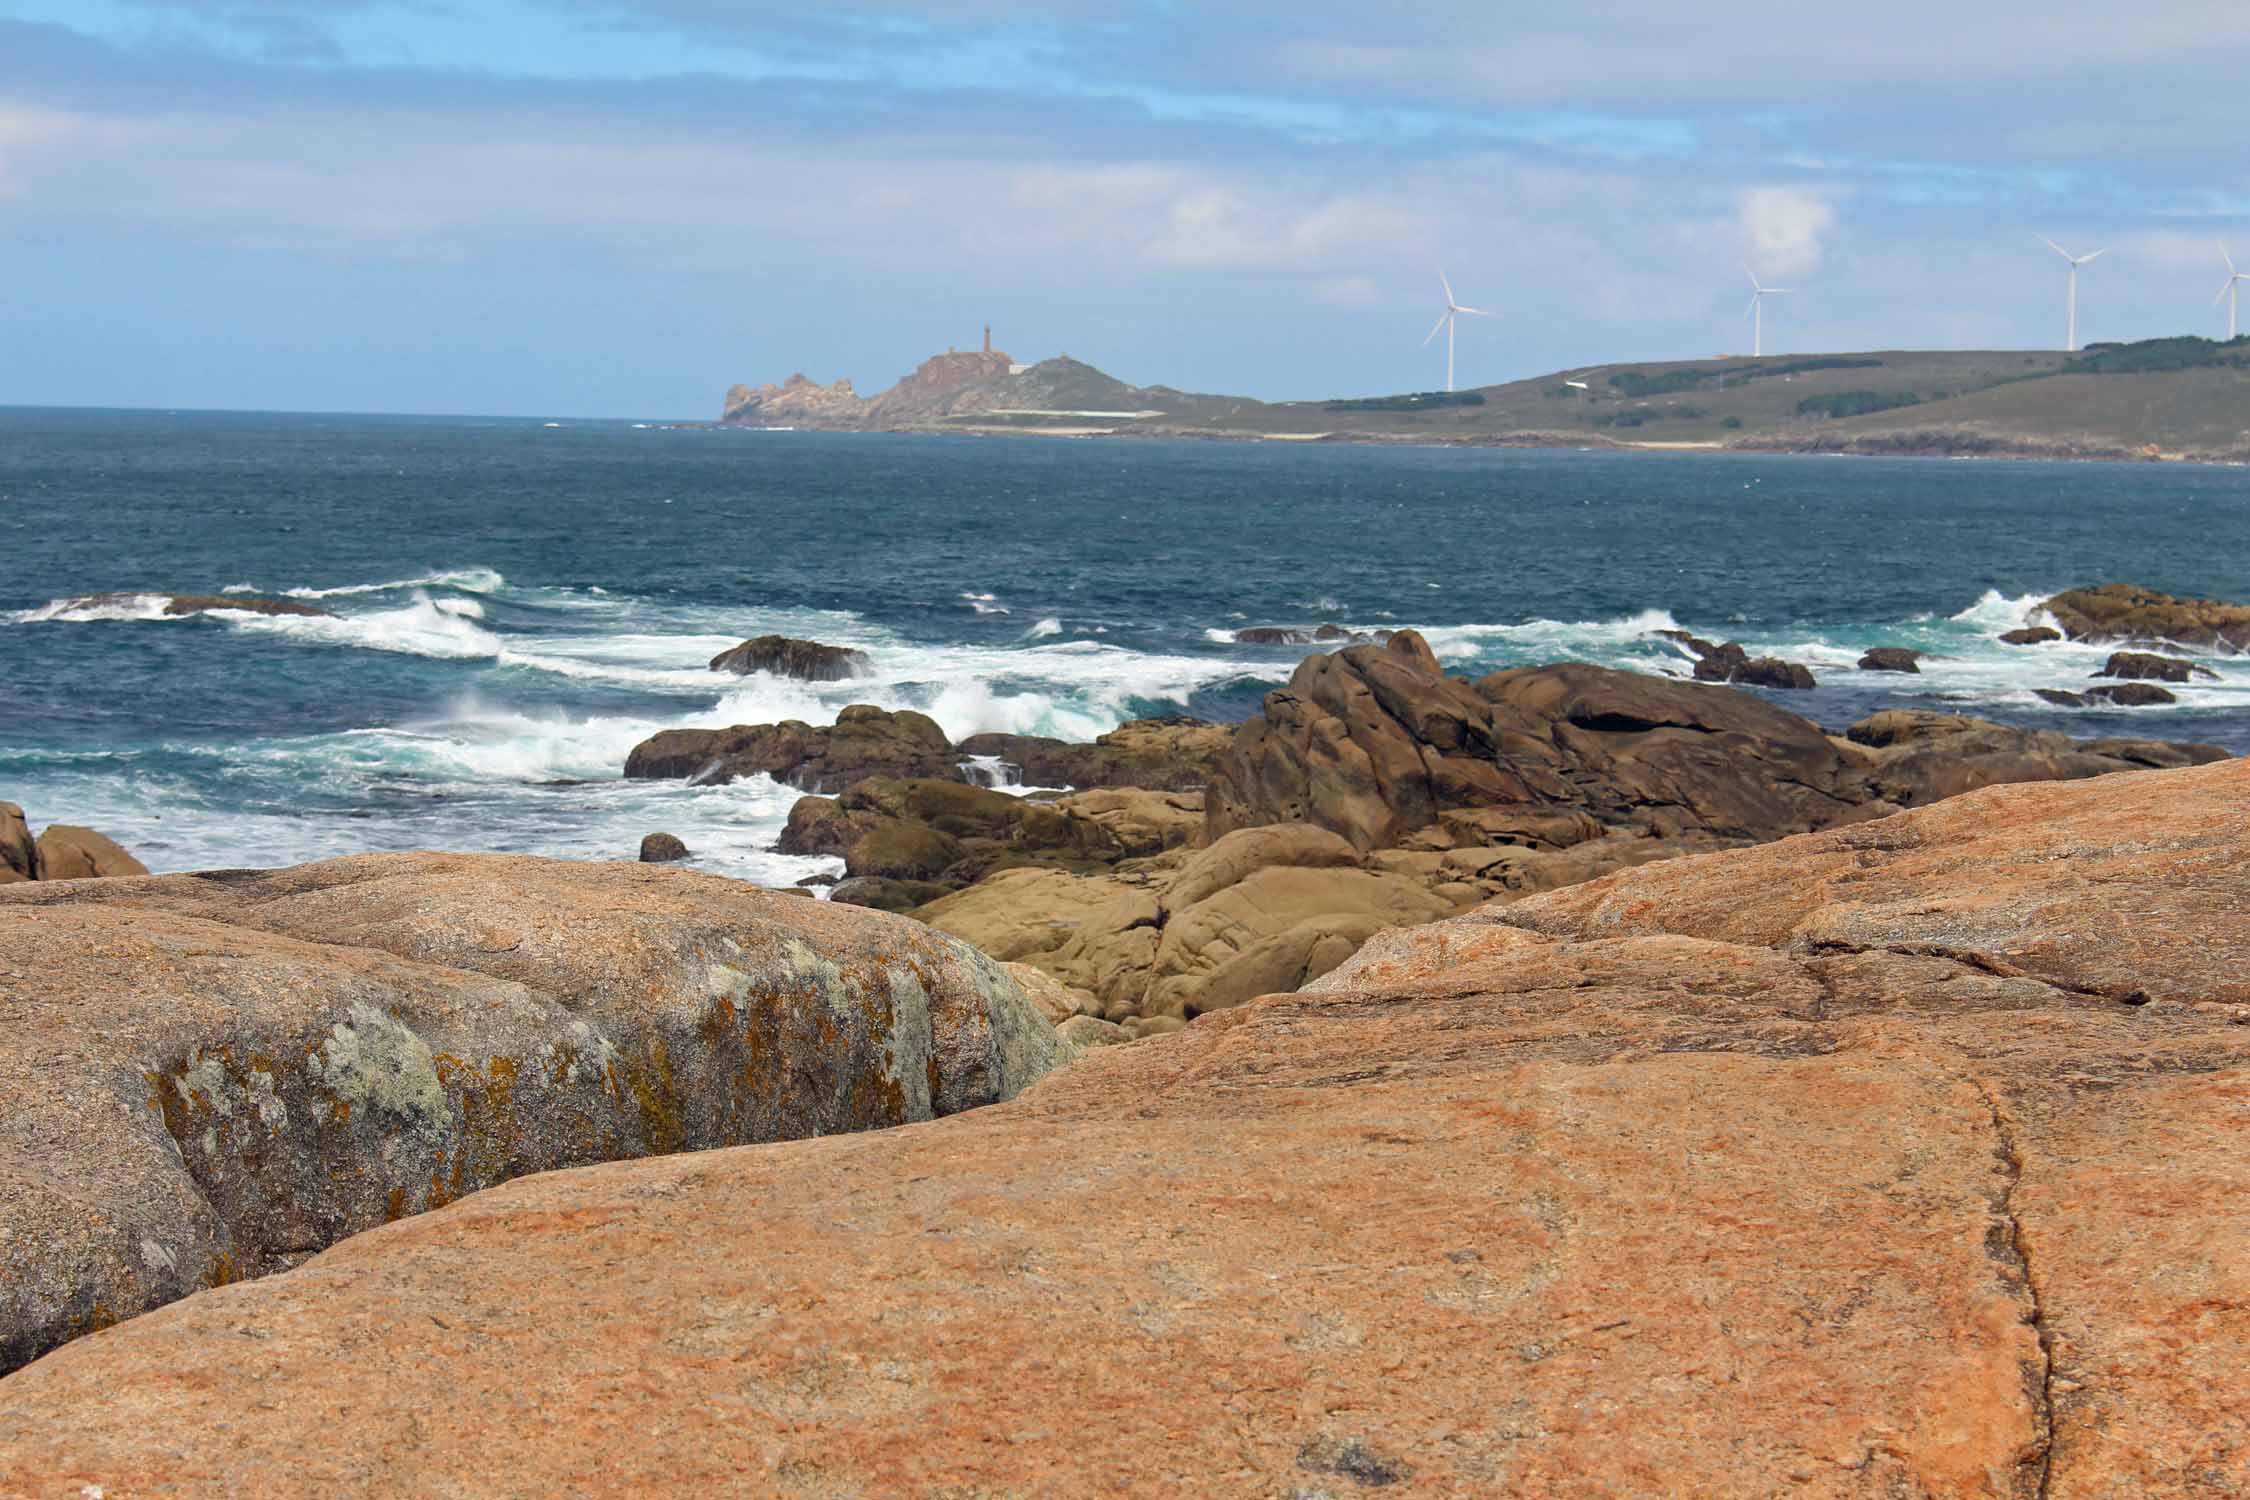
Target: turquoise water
{"points": [[519, 603]]}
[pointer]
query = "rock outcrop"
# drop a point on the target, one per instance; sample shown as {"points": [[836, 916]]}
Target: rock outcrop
{"points": [[1157, 754], [2030, 635], [1732, 663], [1376, 744], [1902, 1159], [2124, 614], [208, 1077], [62, 852], [1891, 659], [799, 399], [663, 849], [785, 656]]}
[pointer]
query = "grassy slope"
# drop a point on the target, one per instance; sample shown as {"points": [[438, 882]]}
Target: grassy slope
{"points": [[1971, 401]]}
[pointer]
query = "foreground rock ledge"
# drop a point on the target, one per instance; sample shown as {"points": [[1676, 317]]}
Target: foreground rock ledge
{"points": [[209, 1077], [1902, 1159]]}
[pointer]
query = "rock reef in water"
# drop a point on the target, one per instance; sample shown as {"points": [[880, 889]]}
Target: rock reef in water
{"points": [[1901, 1159], [784, 656], [2125, 614], [210, 1077]]}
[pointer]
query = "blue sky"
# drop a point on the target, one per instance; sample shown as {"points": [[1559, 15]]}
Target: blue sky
{"points": [[622, 208]]}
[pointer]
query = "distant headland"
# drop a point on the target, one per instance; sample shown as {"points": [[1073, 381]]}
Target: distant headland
{"points": [[2180, 399]]}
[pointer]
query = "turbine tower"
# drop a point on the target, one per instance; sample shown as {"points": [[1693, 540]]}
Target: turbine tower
{"points": [[1446, 320], [2231, 293], [1757, 310], [2075, 262]]}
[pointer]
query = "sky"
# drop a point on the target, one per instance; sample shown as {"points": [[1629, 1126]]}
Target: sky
{"points": [[622, 207]]}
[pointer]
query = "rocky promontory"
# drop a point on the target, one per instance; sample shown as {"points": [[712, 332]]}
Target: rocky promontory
{"points": [[2124, 614], [1901, 1159]]}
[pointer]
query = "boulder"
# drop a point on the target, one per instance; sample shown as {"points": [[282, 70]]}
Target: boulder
{"points": [[71, 853], [884, 894], [2060, 697], [1020, 913], [1087, 1032], [662, 849], [1731, 663], [2030, 635], [19, 852], [1891, 659], [2142, 666], [1913, 757], [210, 1077], [2131, 695], [1772, 672], [864, 741], [2126, 614], [1053, 999], [784, 656], [1900, 1160], [1272, 635]]}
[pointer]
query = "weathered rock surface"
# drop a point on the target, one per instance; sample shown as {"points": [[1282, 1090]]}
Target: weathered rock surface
{"points": [[786, 656], [206, 1077], [2131, 694], [2030, 635], [1731, 663], [2126, 614], [797, 399], [67, 852], [1899, 1160]]}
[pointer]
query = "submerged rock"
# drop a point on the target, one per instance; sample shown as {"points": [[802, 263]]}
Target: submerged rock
{"points": [[2131, 695], [1921, 1141], [783, 656], [208, 1077]]}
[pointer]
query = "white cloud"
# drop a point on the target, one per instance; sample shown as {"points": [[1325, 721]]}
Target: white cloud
{"points": [[1783, 228]]}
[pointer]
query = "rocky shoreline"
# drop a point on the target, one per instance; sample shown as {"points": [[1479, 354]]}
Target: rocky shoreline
{"points": [[1898, 1159]]}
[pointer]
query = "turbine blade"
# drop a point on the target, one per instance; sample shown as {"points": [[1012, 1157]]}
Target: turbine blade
{"points": [[2050, 244], [1443, 319], [2215, 301], [1753, 307], [2227, 258], [1750, 273], [1779, 291], [1449, 299], [2097, 255], [1477, 311]]}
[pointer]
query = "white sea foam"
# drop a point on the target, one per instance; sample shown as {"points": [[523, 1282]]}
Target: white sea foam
{"points": [[985, 604], [1994, 612], [1049, 626], [98, 607], [421, 628], [472, 580], [1219, 637]]}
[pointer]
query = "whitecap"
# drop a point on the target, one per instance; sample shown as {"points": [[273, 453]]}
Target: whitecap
{"points": [[417, 629], [89, 607], [1049, 626], [469, 580]]}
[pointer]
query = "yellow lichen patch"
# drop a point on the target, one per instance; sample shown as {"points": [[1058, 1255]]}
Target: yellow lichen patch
{"points": [[222, 1271], [653, 1090]]}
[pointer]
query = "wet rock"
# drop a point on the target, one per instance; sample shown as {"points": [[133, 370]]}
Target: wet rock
{"points": [[210, 1077], [784, 656], [2060, 697], [1772, 672], [1861, 1126], [196, 604], [2141, 666], [881, 893], [1272, 635], [2131, 695], [1167, 755], [2126, 614], [1730, 663], [1891, 659], [662, 848], [2030, 635], [864, 741]]}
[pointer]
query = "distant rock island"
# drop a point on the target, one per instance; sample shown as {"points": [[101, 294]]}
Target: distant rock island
{"points": [[2175, 398]]}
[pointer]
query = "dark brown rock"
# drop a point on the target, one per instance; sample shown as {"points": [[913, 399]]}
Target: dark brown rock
{"points": [[783, 656], [2142, 666], [196, 604], [662, 849], [2030, 635], [863, 742], [2131, 695], [1730, 663], [1891, 659], [2060, 697], [1772, 672], [880, 893], [19, 851]]}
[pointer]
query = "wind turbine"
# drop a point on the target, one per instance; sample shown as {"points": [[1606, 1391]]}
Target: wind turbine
{"points": [[1757, 310], [1446, 320], [2231, 293], [2075, 262]]}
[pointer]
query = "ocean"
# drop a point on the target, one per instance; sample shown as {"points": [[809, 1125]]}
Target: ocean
{"points": [[518, 602]]}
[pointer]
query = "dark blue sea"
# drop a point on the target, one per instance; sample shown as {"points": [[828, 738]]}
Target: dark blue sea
{"points": [[518, 602]]}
